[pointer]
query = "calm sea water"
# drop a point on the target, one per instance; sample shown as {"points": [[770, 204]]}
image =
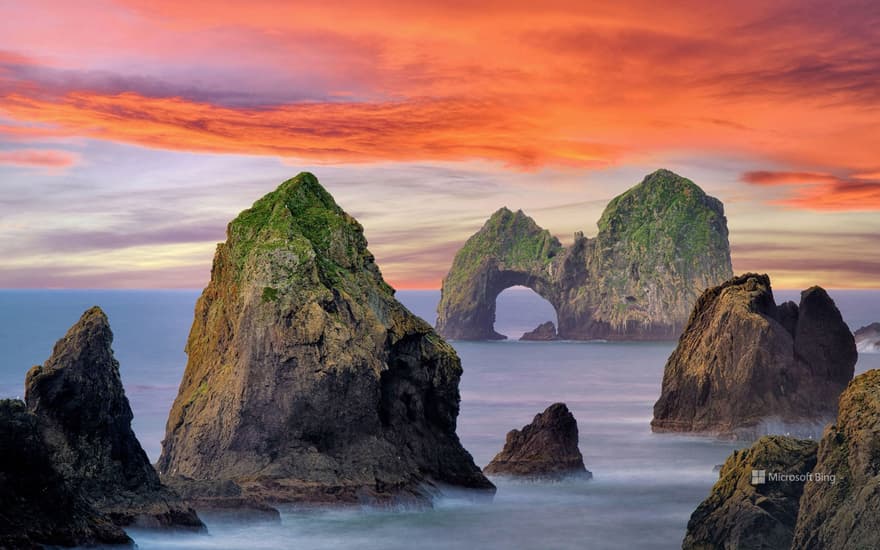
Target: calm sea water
{"points": [[644, 489]]}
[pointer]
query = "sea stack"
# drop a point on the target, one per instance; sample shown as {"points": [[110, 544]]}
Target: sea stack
{"points": [[85, 419], [39, 507], [745, 366], [659, 245], [547, 448], [868, 338], [307, 380], [544, 332]]}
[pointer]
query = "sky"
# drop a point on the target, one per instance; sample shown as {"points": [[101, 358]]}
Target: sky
{"points": [[132, 131]]}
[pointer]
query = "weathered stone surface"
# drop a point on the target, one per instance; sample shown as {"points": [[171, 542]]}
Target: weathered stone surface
{"points": [[542, 333], [659, 245], [85, 419], [740, 515], [307, 379], [546, 448], [38, 506], [846, 514], [868, 338], [742, 368]]}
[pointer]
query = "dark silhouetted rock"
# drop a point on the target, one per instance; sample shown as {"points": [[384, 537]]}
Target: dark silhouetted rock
{"points": [[868, 338], [86, 421], [546, 448], [846, 514], [744, 366], [37, 506], [307, 380], [660, 244], [741, 515], [542, 333]]}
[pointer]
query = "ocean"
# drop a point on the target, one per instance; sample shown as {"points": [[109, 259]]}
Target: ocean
{"points": [[644, 488]]}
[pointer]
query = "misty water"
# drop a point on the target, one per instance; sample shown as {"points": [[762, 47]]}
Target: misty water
{"points": [[644, 489]]}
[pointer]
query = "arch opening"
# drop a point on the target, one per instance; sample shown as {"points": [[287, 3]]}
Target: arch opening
{"points": [[519, 309]]}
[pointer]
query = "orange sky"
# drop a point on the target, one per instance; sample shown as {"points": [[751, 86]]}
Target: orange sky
{"points": [[774, 104]]}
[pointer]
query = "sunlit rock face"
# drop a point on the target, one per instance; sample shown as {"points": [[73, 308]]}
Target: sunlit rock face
{"points": [[660, 244], [745, 366], [307, 380]]}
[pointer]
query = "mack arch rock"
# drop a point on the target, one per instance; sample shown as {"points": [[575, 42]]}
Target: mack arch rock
{"points": [[659, 245]]}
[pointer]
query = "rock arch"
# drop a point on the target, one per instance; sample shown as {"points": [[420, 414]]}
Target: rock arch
{"points": [[660, 244]]}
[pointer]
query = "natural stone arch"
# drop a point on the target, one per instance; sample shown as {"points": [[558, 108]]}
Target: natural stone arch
{"points": [[660, 244]]}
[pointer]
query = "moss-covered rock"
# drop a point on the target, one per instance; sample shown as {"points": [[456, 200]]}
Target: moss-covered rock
{"points": [[306, 379], [659, 245]]}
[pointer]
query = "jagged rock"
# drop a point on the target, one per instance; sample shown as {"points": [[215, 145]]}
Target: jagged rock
{"points": [[546, 448], [85, 419], [742, 515], [846, 514], [742, 368], [542, 333], [38, 507], [307, 380], [868, 338], [659, 245]]}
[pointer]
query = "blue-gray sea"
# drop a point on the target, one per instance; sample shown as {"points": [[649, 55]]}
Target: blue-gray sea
{"points": [[644, 489]]}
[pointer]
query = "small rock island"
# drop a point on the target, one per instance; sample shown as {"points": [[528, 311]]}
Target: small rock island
{"points": [[745, 366], [545, 332], [307, 381], [659, 245], [545, 449], [868, 338]]}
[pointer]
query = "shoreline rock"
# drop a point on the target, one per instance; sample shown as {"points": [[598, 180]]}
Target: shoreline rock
{"points": [[306, 379], [868, 338], [545, 332], [659, 245], [85, 419], [547, 448], [745, 366]]}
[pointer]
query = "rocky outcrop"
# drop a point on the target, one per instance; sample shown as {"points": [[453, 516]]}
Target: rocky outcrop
{"points": [[307, 380], [832, 502], [746, 511], [546, 448], [868, 338], [744, 366], [85, 419], [38, 506], [846, 514], [544, 332], [659, 245]]}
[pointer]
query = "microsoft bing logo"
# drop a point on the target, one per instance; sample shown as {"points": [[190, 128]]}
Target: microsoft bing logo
{"points": [[759, 477]]}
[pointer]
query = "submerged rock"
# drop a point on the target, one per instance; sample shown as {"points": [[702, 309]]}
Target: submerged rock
{"points": [[846, 513], [659, 245], [85, 418], [744, 366], [868, 338], [38, 506], [542, 333], [747, 510], [307, 380], [546, 448]]}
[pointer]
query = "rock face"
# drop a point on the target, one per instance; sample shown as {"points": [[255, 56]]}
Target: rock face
{"points": [[39, 506], [659, 245], [836, 505], [546, 448], [542, 333], [846, 514], [744, 366], [307, 380], [85, 419], [740, 514], [868, 338]]}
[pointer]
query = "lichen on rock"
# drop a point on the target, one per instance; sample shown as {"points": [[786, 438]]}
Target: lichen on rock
{"points": [[306, 379], [659, 245]]}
